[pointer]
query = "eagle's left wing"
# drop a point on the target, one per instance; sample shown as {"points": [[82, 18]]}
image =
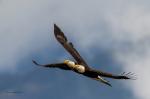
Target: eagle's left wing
{"points": [[54, 65]]}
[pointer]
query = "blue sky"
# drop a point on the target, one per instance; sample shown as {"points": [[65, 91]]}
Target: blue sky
{"points": [[111, 35]]}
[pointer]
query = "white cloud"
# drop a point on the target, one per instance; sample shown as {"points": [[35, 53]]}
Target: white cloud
{"points": [[133, 25], [22, 25], [25, 26]]}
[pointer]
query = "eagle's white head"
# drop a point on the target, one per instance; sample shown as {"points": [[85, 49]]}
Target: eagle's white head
{"points": [[80, 68], [72, 65]]}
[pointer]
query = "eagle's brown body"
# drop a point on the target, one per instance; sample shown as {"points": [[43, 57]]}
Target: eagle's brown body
{"points": [[80, 66]]}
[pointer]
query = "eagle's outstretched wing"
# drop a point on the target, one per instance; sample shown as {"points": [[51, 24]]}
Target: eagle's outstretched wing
{"points": [[62, 39], [97, 75], [124, 75], [57, 65]]}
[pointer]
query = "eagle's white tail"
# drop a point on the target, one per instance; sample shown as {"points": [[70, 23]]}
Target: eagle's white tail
{"points": [[99, 78]]}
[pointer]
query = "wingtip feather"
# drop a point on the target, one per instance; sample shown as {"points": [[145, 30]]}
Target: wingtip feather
{"points": [[129, 75], [35, 62]]}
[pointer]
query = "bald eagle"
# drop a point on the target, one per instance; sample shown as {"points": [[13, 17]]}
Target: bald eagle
{"points": [[80, 66]]}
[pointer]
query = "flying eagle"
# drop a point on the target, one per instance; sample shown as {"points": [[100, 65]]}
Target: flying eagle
{"points": [[80, 66]]}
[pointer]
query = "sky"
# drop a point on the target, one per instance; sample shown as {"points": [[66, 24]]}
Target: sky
{"points": [[113, 36]]}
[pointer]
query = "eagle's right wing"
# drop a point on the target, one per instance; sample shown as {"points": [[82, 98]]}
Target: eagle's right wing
{"points": [[124, 75], [62, 39]]}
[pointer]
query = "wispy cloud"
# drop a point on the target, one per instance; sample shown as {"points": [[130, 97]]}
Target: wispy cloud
{"points": [[132, 30]]}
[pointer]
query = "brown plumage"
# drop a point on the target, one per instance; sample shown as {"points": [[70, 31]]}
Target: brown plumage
{"points": [[56, 65], [80, 66], [62, 39]]}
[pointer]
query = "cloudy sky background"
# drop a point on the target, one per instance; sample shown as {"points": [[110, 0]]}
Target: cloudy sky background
{"points": [[111, 35]]}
